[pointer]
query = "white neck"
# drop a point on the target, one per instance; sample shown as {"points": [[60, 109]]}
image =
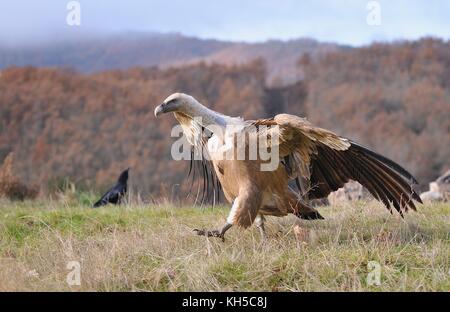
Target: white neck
{"points": [[210, 117]]}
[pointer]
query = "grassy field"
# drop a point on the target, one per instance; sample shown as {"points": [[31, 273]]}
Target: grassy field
{"points": [[153, 248]]}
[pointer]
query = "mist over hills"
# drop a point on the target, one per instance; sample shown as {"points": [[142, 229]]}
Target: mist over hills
{"points": [[102, 53]]}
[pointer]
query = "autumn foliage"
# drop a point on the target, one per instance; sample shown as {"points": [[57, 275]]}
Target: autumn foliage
{"points": [[394, 98]]}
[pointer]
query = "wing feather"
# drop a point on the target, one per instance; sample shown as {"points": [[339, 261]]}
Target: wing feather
{"points": [[329, 161]]}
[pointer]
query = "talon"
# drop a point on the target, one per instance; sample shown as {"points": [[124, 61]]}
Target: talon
{"points": [[213, 233], [216, 233], [199, 232]]}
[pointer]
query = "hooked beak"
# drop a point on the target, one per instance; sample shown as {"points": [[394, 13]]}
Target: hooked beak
{"points": [[159, 110]]}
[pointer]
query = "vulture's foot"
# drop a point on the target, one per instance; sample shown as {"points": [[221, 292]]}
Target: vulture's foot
{"points": [[213, 233]]}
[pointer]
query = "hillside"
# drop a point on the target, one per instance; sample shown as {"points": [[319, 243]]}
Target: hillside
{"points": [[113, 52], [162, 50], [281, 57], [392, 97], [89, 127]]}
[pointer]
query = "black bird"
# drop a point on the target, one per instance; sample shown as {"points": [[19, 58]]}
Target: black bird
{"points": [[116, 193]]}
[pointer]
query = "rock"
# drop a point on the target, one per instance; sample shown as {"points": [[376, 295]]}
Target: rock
{"points": [[431, 196], [351, 191], [32, 274], [444, 185], [301, 234], [439, 189]]}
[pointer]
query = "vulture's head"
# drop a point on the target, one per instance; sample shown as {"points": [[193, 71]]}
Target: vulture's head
{"points": [[181, 103], [187, 109]]}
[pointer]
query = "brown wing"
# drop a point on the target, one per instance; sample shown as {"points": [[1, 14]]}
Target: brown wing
{"points": [[329, 161]]}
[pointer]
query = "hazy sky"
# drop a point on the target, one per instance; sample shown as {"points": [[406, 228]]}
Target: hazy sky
{"points": [[342, 21]]}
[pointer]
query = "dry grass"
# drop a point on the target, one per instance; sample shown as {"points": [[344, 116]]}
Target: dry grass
{"points": [[10, 185], [137, 248]]}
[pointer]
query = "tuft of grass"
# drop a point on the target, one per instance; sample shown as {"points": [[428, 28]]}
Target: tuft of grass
{"points": [[153, 248], [10, 185]]}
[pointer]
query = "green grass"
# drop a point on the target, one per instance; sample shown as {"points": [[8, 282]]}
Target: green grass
{"points": [[153, 248]]}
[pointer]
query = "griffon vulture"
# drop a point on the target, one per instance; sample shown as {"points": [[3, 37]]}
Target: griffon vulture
{"points": [[318, 160]]}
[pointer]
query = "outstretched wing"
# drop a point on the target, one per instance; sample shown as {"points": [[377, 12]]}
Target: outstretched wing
{"points": [[328, 161]]}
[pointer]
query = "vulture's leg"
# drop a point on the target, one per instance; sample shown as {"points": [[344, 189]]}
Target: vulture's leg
{"points": [[301, 209], [259, 222], [221, 233], [308, 213], [215, 233], [243, 213], [305, 188]]}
